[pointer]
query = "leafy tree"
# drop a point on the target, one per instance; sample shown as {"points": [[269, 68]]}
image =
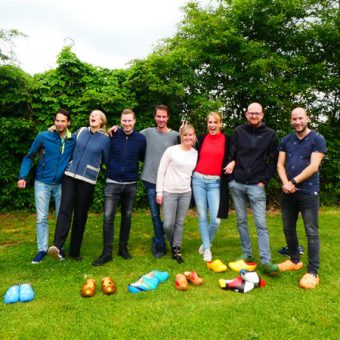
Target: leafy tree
{"points": [[279, 53], [7, 55]]}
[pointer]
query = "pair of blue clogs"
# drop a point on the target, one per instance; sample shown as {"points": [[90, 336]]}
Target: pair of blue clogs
{"points": [[22, 293], [148, 281]]}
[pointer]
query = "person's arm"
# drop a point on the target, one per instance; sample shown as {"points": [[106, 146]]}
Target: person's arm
{"points": [[287, 186], [311, 169], [142, 150], [27, 161], [229, 168], [113, 130], [233, 148], [163, 165], [272, 158], [106, 150]]}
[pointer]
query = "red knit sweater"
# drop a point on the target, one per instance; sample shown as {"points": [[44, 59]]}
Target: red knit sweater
{"points": [[211, 155]]}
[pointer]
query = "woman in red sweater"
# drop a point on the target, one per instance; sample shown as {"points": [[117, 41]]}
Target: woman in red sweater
{"points": [[209, 182]]}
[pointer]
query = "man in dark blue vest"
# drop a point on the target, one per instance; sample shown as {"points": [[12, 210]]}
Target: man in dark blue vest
{"points": [[127, 149]]}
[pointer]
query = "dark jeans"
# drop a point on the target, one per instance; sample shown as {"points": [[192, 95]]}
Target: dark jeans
{"points": [[159, 238], [115, 193], [76, 199], [308, 205]]}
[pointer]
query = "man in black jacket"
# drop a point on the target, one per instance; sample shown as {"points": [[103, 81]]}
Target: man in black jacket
{"points": [[253, 156], [127, 149]]}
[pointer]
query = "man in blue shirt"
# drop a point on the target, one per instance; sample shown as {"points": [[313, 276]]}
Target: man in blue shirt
{"points": [[127, 149], [55, 150], [300, 156]]}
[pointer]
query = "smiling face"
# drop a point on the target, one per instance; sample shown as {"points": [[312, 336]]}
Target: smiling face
{"points": [[128, 122], [299, 120], [61, 123], [161, 119], [254, 114], [96, 120], [214, 123], [188, 136]]}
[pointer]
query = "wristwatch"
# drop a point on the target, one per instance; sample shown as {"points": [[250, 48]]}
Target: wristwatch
{"points": [[293, 181]]}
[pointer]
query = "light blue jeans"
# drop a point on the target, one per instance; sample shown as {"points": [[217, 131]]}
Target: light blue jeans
{"points": [[240, 194], [207, 197], [42, 193]]}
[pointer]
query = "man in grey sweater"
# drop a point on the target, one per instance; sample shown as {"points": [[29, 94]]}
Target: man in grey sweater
{"points": [[158, 139]]}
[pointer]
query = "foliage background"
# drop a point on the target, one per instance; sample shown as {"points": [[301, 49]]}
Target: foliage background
{"points": [[282, 53]]}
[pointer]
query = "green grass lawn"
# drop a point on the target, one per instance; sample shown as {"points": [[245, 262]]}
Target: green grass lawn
{"points": [[281, 310]]}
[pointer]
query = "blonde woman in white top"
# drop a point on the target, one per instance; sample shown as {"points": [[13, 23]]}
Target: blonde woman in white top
{"points": [[173, 187]]}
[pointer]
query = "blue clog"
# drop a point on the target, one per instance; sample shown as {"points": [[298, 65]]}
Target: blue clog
{"points": [[26, 292], [143, 284], [160, 276], [12, 295]]}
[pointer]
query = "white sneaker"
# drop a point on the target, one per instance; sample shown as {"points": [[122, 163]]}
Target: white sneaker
{"points": [[207, 256], [201, 249]]}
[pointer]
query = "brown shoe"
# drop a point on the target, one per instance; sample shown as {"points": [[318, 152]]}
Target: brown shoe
{"points": [[289, 265], [108, 286], [194, 278], [89, 288], [181, 282]]}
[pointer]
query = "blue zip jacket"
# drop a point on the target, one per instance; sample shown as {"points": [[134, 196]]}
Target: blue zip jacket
{"points": [[90, 149], [53, 157], [125, 153]]}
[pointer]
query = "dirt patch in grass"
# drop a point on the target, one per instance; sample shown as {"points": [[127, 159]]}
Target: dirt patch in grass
{"points": [[8, 244]]}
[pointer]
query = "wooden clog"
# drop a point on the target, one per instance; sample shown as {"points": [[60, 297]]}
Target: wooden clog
{"points": [[108, 286], [181, 282], [89, 288], [194, 278]]}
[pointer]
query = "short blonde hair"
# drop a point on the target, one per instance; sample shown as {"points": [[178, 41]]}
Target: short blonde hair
{"points": [[128, 112]]}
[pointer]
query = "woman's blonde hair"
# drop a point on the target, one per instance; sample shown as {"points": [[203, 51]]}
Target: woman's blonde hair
{"points": [[217, 116], [184, 129], [102, 117]]}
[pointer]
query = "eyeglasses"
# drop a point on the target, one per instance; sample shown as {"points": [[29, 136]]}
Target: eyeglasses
{"points": [[254, 113]]}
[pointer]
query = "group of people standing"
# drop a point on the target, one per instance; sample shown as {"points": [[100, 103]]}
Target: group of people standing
{"points": [[177, 165]]}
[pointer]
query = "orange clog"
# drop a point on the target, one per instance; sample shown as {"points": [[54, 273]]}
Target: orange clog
{"points": [[89, 288], [194, 278], [181, 282], [108, 286]]}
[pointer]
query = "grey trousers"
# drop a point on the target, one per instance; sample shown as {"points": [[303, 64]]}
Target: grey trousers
{"points": [[175, 207]]}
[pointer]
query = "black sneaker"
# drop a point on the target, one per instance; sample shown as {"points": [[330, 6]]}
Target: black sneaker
{"points": [[176, 254], [39, 257], [285, 252]]}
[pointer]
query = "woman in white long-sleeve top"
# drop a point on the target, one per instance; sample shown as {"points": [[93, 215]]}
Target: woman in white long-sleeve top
{"points": [[173, 187]]}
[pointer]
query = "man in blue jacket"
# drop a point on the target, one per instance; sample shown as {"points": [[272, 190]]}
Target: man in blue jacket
{"points": [[254, 152], [127, 149], [55, 150]]}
